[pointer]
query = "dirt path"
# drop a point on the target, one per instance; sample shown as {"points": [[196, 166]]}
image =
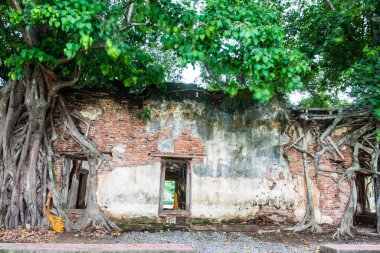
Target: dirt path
{"points": [[214, 242]]}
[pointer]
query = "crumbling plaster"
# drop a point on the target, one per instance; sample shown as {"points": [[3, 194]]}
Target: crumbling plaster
{"points": [[242, 168], [129, 192]]}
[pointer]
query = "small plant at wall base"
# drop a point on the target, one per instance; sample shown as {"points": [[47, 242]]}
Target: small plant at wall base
{"points": [[144, 115]]}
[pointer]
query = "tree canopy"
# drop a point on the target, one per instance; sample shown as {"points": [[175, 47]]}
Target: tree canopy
{"points": [[269, 47], [240, 43], [341, 40]]}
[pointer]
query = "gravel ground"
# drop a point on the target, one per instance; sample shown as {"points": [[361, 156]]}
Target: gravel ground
{"points": [[214, 242]]}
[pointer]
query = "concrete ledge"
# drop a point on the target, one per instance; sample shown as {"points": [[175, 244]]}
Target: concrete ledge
{"points": [[349, 248], [97, 248]]}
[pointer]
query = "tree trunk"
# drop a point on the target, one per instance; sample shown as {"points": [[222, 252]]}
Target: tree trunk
{"points": [[22, 134], [92, 216], [308, 220], [378, 204], [346, 222], [26, 135], [72, 199]]}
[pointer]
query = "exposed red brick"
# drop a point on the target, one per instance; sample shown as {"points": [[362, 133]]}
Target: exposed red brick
{"points": [[119, 124]]}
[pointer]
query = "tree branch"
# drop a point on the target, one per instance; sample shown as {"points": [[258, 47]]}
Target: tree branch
{"points": [[133, 24], [335, 147], [294, 143], [28, 37], [64, 60], [130, 11], [330, 4], [304, 151], [63, 84], [330, 128], [213, 76]]}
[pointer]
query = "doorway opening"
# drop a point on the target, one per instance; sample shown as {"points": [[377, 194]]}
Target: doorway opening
{"points": [[175, 186], [367, 187], [77, 188]]}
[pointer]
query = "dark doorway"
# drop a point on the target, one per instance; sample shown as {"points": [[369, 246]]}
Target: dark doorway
{"points": [[175, 185], [78, 185], [366, 206]]}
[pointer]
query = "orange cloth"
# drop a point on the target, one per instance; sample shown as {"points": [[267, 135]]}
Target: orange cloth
{"points": [[175, 207], [56, 221]]}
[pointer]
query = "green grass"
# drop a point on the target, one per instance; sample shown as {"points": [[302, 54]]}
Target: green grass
{"points": [[169, 192]]}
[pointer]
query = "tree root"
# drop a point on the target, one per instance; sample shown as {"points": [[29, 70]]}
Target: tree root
{"points": [[342, 232], [362, 137], [93, 218], [308, 222], [312, 225], [26, 134], [345, 224]]}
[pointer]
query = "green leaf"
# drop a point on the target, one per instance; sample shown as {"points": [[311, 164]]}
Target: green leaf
{"points": [[127, 83], [86, 40], [105, 68], [114, 52], [232, 90], [41, 58]]}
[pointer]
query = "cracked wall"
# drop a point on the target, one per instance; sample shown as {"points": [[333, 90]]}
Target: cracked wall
{"points": [[239, 169]]}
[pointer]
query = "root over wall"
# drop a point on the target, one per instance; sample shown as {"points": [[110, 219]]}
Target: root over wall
{"points": [[246, 162]]}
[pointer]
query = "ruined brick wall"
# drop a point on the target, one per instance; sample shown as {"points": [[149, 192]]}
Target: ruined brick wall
{"points": [[117, 129], [239, 170], [329, 202]]}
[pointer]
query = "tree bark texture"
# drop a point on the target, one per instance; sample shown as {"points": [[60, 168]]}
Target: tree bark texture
{"points": [[26, 135], [309, 219], [361, 139]]}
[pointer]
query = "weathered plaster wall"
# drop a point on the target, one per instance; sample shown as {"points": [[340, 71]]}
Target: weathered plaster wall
{"points": [[240, 171], [243, 168], [132, 191]]}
